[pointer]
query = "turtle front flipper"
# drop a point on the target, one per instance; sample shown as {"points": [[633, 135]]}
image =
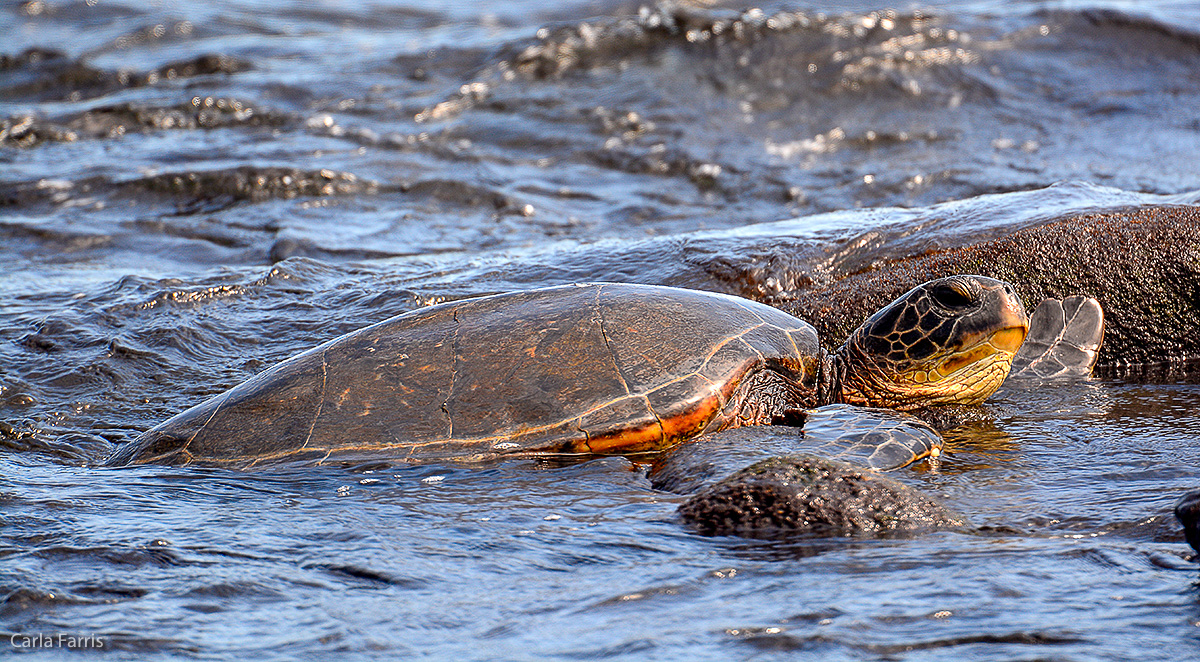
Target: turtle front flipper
{"points": [[868, 437], [881, 439], [1063, 341]]}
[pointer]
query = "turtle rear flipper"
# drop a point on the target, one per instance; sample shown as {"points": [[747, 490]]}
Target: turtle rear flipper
{"points": [[1064, 339]]}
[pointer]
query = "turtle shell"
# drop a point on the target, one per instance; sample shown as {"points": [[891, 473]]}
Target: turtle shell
{"points": [[578, 369]]}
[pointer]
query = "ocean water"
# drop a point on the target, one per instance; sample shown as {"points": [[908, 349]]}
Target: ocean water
{"points": [[190, 192]]}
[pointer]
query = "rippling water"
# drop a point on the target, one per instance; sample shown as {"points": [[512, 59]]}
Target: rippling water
{"points": [[191, 192]]}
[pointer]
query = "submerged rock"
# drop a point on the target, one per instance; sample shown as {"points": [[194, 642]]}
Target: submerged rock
{"points": [[803, 493], [50, 75]]}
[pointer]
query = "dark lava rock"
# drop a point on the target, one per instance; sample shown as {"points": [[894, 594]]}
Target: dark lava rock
{"points": [[1188, 513], [120, 119], [1150, 296], [27, 131], [248, 183], [43, 75], [806, 494], [948, 417], [198, 113]]}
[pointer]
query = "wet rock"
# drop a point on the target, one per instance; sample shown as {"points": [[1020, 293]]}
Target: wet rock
{"points": [[196, 191], [806, 494], [43, 75], [198, 113], [118, 120], [1187, 511], [27, 57], [461, 193], [948, 417], [1150, 297], [248, 183], [203, 65], [563, 50], [28, 131]]}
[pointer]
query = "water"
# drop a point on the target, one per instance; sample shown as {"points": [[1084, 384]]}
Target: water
{"points": [[174, 222]]}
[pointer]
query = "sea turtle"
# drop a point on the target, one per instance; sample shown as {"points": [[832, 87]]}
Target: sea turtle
{"points": [[590, 369]]}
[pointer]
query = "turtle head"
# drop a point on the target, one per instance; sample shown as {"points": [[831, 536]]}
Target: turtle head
{"points": [[951, 340]]}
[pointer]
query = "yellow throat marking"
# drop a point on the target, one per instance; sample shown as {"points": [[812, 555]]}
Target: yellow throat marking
{"points": [[1003, 343]]}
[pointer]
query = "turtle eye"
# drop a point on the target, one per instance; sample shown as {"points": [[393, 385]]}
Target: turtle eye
{"points": [[954, 294]]}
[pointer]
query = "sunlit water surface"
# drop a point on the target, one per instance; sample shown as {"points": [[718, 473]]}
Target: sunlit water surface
{"points": [[172, 224]]}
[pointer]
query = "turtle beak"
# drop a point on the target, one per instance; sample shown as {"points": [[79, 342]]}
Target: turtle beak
{"points": [[1013, 323], [1008, 339]]}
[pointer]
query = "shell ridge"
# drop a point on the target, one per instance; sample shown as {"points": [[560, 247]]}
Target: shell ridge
{"points": [[607, 343], [722, 399], [186, 444], [795, 347], [662, 431], [220, 404], [750, 310], [320, 401], [721, 345], [752, 348], [587, 437], [453, 373], [787, 332]]}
